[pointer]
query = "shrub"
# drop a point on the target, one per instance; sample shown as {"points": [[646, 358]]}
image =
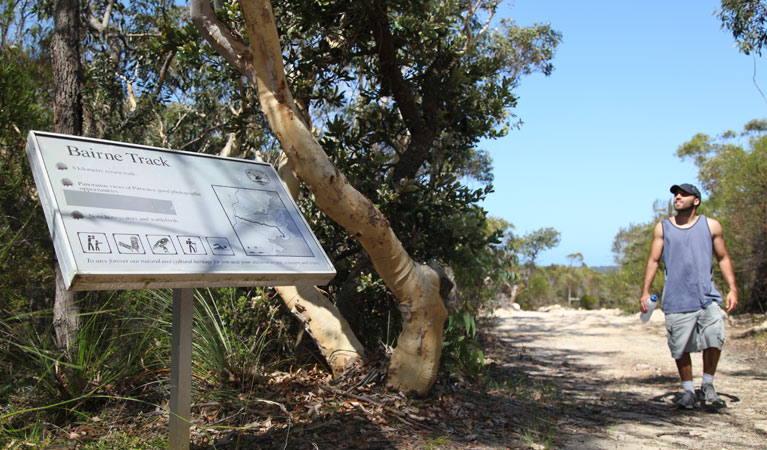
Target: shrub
{"points": [[589, 302]]}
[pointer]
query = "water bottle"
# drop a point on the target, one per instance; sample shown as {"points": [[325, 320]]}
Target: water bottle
{"points": [[652, 302]]}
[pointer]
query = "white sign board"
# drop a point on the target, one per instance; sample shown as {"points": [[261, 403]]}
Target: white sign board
{"points": [[124, 216]]}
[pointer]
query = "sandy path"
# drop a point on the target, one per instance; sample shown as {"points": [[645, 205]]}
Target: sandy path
{"points": [[618, 381]]}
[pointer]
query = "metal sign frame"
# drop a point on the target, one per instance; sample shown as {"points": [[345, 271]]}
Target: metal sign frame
{"points": [[125, 216]]}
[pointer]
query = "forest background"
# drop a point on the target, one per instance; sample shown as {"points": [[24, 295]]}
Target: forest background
{"points": [[148, 77]]}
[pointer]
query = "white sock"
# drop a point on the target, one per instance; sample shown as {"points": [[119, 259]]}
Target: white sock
{"points": [[708, 379], [688, 386]]}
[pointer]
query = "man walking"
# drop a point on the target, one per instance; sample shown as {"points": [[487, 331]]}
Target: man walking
{"points": [[691, 302]]}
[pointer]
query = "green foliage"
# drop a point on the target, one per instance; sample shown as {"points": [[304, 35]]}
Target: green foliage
{"points": [[150, 79], [537, 292], [461, 352], [122, 352], [25, 250], [123, 441], [437, 443], [555, 284], [542, 286], [20, 102], [631, 247], [529, 247], [732, 168], [113, 353], [532, 244], [746, 20], [38, 437], [461, 80], [233, 332], [233, 336], [589, 301]]}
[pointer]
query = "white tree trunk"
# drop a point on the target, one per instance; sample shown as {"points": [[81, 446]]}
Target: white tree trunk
{"points": [[321, 318], [415, 361], [328, 328]]}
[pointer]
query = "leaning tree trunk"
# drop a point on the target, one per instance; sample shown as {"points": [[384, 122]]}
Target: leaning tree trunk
{"points": [[415, 361], [325, 324], [68, 119], [322, 320]]}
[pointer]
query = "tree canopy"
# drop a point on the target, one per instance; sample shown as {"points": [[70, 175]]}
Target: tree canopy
{"points": [[399, 96], [733, 168], [747, 20]]}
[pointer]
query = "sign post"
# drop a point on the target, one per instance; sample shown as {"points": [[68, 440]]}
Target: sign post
{"points": [[181, 369], [125, 216]]}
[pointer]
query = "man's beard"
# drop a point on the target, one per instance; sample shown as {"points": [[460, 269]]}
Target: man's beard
{"points": [[684, 209]]}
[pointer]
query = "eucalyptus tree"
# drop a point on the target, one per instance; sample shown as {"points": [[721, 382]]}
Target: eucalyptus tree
{"points": [[747, 20], [397, 95], [405, 91], [631, 247], [532, 244], [149, 82], [733, 169]]}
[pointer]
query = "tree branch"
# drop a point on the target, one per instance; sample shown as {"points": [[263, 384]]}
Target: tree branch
{"points": [[102, 25], [422, 134], [415, 361], [164, 72], [470, 13], [231, 47]]}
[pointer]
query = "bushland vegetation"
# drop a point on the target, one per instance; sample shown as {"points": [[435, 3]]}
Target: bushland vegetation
{"points": [[150, 78], [147, 76]]}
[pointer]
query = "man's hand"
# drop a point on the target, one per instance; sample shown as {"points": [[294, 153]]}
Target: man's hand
{"points": [[656, 251], [724, 262], [732, 300], [643, 302]]}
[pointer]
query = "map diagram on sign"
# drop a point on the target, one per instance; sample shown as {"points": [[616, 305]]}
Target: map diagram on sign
{"points": [[262, 222]]}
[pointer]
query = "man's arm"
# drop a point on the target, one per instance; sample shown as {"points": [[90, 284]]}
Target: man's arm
{"points": [[653, 261], [725, 264]]}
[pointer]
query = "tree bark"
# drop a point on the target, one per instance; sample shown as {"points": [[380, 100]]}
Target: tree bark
{"points": [[422, 134], [66, 314], [322, 320], [67, 119], [67, 70], [415, 361], [327, 327]]}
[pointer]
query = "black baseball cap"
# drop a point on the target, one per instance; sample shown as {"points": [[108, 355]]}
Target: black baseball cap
{"points": [[686, 187]]}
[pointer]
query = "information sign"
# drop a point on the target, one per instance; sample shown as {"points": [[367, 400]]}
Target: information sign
{"points": [[124, 216]]}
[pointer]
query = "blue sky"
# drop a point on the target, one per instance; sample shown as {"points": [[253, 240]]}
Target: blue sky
{"points": [[632, 82]]}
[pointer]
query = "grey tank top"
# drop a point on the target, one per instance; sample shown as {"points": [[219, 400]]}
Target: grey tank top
{"points": [[688, 254]]}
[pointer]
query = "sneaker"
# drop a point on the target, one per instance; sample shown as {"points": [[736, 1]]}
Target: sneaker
{"points": [[686, 400], [709, 399]]}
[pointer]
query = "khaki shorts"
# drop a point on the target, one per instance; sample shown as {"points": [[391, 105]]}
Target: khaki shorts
{"points": [[695, 331]]}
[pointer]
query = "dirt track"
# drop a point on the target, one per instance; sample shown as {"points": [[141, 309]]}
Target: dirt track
{"points": [[618, 381]]}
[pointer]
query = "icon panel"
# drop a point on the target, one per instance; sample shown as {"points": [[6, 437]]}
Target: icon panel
{"points": [[129, 244], [94, 242], [191, 245], [220, 246], [161, 244]]}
